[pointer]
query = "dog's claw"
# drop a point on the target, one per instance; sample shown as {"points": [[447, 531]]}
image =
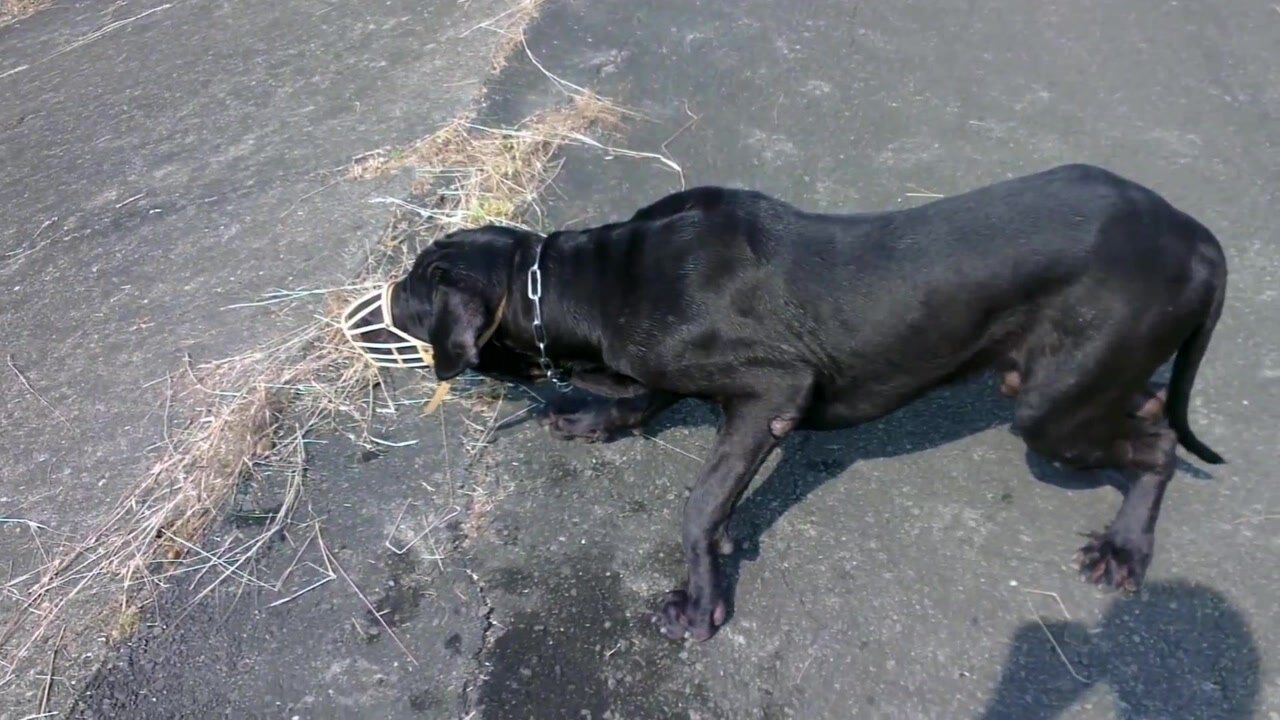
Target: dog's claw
{"points": [[1098, 571], [678, 620], [722, 544]]}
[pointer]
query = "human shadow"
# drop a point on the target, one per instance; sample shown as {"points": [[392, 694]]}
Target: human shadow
{"points": [[1178, 649]]}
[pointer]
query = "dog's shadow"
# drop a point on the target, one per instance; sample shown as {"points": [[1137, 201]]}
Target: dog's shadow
{"points": [[1175, 650], [1178, 649], [948, 414]]}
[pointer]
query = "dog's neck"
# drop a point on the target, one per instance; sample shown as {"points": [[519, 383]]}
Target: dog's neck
{"points": [[567, 312]]}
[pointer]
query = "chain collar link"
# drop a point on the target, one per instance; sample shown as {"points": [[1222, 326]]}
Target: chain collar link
{"points": [[555, 375]]}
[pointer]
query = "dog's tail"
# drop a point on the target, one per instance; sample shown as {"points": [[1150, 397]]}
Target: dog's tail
{"points": [[1185, 365]]}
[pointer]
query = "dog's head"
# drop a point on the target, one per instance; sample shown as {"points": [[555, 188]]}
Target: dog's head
{"points": [[452, 297]]}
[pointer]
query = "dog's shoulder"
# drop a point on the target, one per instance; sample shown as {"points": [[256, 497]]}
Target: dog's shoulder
{"points": [[716, 219], [705, 199]]}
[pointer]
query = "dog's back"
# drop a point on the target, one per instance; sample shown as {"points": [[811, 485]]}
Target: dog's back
{"points": [[720, 277]]}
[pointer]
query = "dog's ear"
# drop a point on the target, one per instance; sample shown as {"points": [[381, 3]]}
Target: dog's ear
{"points": [[453, 294], [457, 320]]}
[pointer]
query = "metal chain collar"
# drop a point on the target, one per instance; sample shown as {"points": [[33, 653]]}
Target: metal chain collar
{"points": [[555, 375]]}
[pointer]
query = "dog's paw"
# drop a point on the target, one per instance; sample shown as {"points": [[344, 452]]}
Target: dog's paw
{"points": [[586, 426], [1113, 562], [681, 617]]}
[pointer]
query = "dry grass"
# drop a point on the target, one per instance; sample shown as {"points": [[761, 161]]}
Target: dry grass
{"points": [[246, 419], [493, 173], [496, 167], [510, 25], [14, 10], [250, 415]]}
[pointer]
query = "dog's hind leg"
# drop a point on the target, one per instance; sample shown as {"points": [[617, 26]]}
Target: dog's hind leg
{"points": [[1100, 423], [1148, 404], [599, 419], [1119, 557]]}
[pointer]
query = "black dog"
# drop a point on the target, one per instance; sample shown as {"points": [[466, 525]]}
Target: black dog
{"points": [[1075, 284]]}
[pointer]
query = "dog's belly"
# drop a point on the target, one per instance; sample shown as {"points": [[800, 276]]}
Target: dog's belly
{"points": [[867, 393], [841, 406]]}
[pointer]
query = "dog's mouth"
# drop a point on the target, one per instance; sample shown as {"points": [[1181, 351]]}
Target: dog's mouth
{"points": [[369, 325]]}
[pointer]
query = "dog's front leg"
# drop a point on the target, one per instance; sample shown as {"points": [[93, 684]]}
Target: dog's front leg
{"points": [[598, 419], [750, 431]]}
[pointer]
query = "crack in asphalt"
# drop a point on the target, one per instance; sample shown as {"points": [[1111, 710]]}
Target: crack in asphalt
{"points": [[467, 534], [477, 677]]}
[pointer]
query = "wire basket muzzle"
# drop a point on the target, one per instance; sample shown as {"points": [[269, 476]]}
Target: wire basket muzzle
{"points": [[371, 337]]}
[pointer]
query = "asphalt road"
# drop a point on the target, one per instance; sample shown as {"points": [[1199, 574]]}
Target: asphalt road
{"points": [[888, 569], [914, 568]]}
